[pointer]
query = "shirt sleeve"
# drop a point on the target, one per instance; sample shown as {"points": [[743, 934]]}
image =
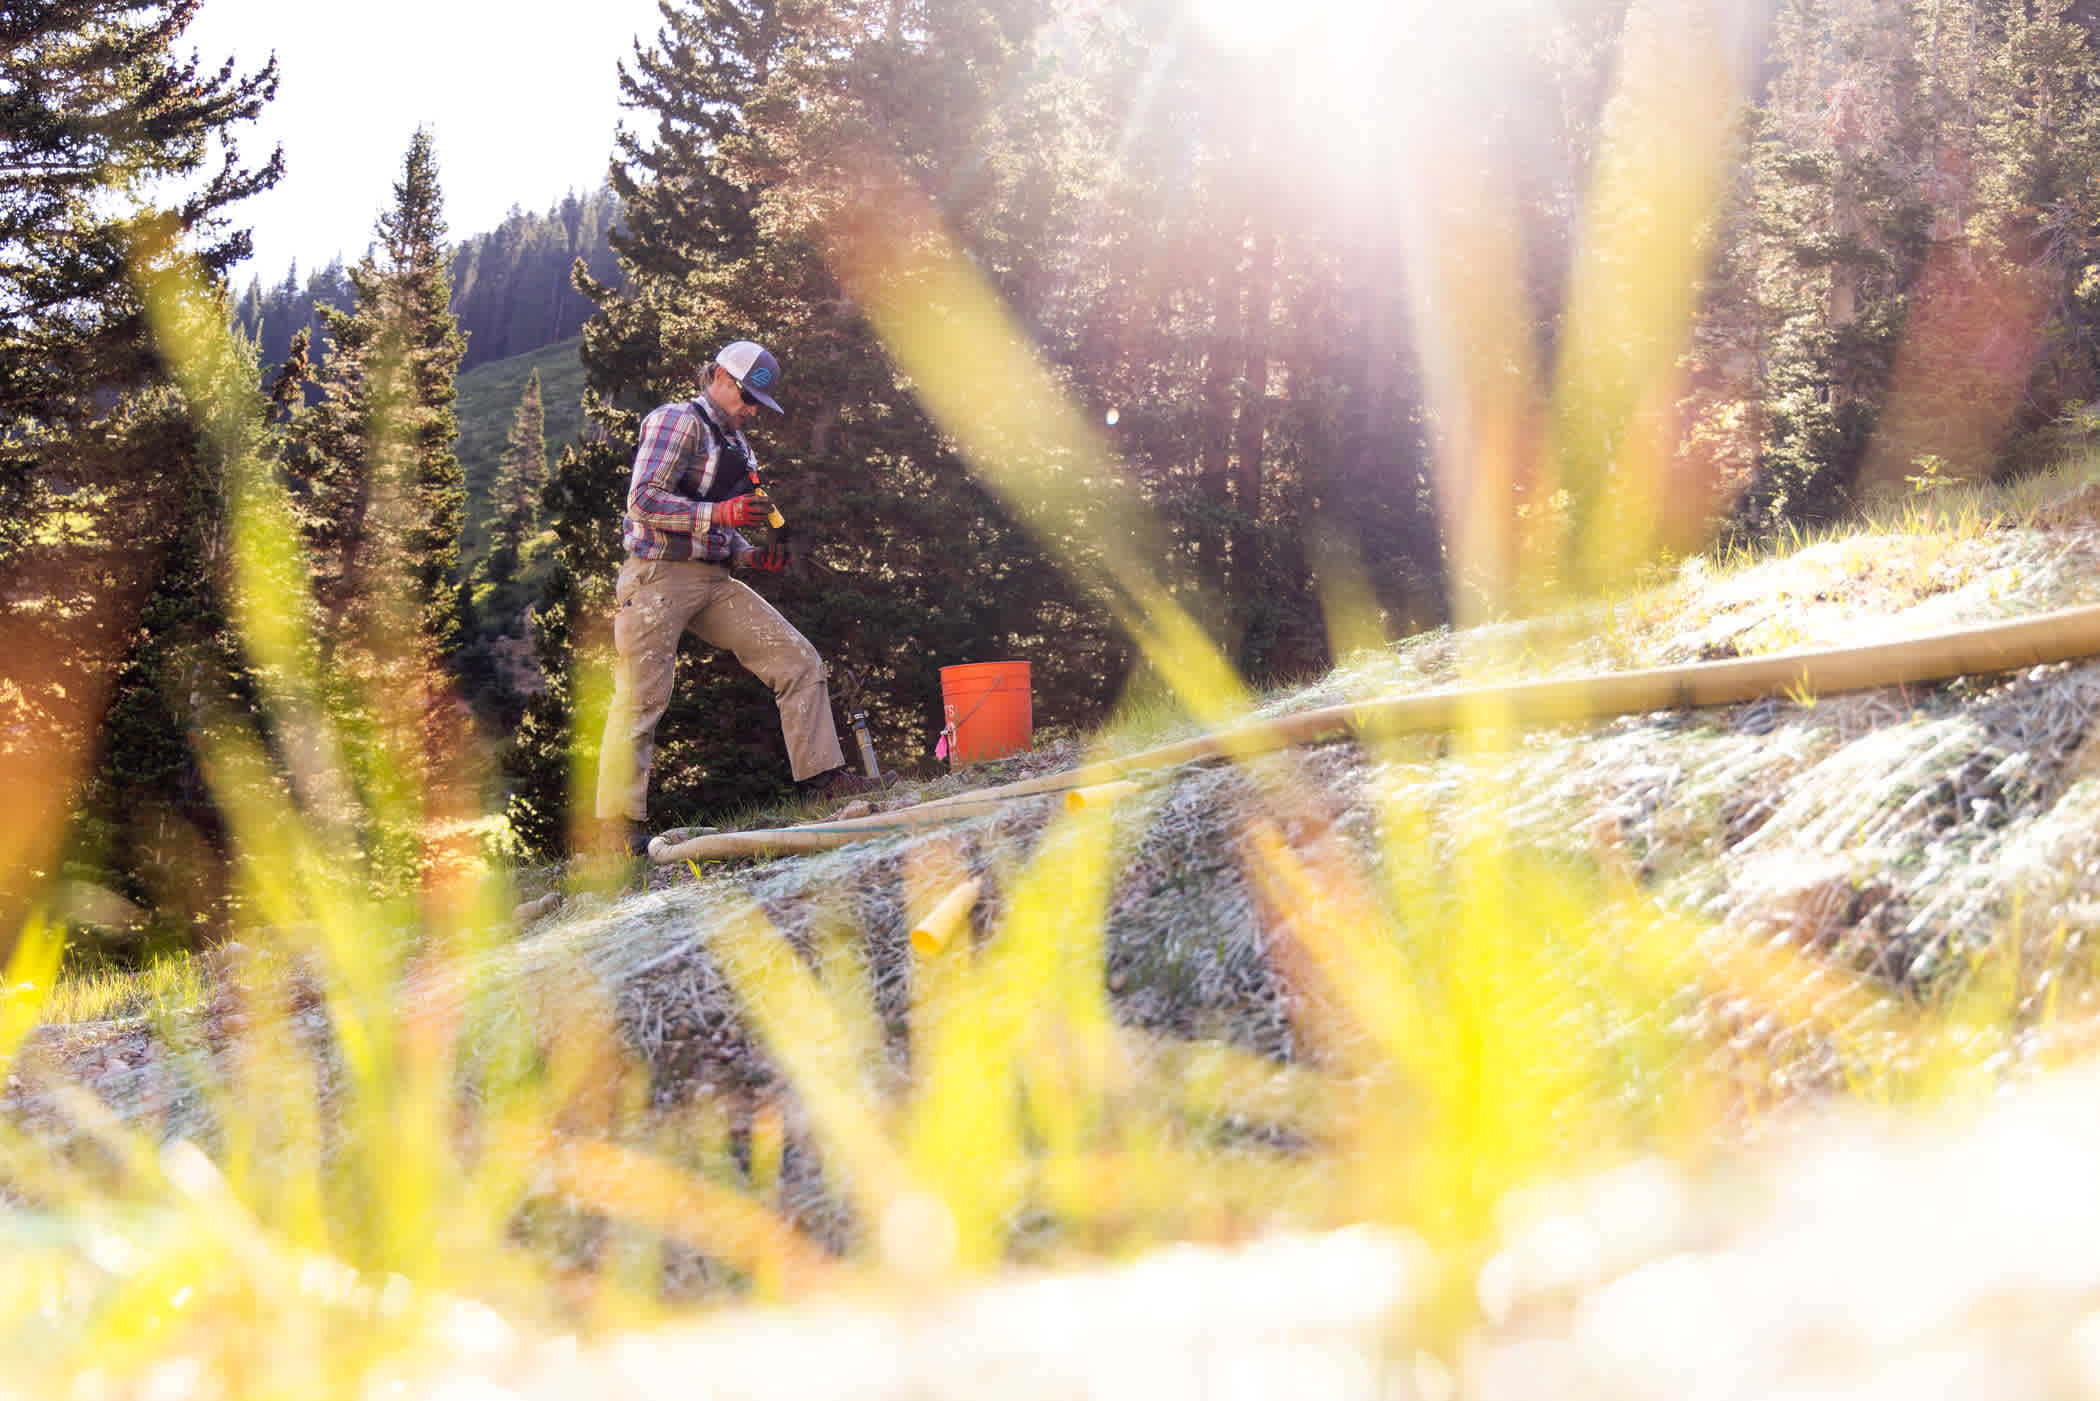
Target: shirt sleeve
{"points": [[652, 498]]}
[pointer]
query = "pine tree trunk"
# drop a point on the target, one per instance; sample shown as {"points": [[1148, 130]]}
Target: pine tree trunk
{"points": [[1844, 275], [1215, 464], [1252, 427]]}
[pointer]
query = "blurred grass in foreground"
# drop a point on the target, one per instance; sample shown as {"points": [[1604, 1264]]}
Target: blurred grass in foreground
{"points": [[405, 1157]]}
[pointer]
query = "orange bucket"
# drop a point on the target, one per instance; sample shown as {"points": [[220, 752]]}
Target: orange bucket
{"points": [[988, 710]]}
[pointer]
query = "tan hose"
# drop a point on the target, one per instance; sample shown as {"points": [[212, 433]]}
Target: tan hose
{"points": [[825, 836], [1970, 651]]}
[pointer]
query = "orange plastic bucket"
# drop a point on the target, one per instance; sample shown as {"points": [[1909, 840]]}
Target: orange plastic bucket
{"points": [[988, 710]]}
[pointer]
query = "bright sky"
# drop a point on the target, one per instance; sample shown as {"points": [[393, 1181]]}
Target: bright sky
{"points": [[521, 96]]}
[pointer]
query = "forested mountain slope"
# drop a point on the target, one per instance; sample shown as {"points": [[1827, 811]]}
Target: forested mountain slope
{"points": [[511, 287]]}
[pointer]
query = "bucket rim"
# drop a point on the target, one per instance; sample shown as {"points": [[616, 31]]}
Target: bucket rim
{"points": [[962, 667]]}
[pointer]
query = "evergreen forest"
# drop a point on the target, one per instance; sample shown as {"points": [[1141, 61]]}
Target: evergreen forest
{"points": [[512, 290], [1326, 317]]}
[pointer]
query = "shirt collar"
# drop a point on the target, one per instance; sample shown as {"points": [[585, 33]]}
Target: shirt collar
{"points": [[714, 415]]}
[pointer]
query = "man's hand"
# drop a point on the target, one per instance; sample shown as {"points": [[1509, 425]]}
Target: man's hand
{"points": [[768, 558], [740, 511]]}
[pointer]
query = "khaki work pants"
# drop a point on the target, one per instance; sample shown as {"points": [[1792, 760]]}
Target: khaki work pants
{"points": [[654, 601]]}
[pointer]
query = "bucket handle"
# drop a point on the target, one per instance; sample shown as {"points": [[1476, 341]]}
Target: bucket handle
{"points": [[998, 682]]}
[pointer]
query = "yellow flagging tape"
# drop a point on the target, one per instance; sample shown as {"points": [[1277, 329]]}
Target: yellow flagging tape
{"points": [[934, 933]]}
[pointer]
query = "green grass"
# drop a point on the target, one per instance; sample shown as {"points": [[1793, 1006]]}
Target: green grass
{"points": [[167, 987]]}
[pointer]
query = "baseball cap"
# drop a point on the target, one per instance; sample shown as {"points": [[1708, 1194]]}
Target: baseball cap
{"points": [[752, 366]]}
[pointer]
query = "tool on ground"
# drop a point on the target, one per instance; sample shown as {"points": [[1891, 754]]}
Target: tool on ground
{"points": [[850, 686], [868, 762]]}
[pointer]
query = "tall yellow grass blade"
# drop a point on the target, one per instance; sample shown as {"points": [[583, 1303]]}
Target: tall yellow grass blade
{"points": [[806, 1033], [31, 977], [636, 1187]]}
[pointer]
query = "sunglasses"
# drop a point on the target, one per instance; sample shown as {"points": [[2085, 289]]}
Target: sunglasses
{"points": [[745, 395]]}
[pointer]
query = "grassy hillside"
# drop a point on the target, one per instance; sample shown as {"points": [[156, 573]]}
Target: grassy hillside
{"points": [[488, 401], [1430, 984]]}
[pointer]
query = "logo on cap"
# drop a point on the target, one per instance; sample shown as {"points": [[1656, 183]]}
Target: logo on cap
{"points": [[761, 375]]}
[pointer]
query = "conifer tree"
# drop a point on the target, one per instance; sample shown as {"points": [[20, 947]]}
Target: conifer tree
{"points": [[289, 383], [2037, 203], [98, 96], [148, 824], [1907, 279], [384, 496], [272, 317], [120, 157], [381, 496], [679, 203], [1843, 216], [501, 588], [570, 632], [1277, 399], [99, 107], [521, 480]]}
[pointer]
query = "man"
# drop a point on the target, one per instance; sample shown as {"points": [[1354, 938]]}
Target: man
{"points": [[692, 490]]}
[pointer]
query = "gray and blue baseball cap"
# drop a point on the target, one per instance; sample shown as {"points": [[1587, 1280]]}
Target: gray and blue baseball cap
{"points": [[752, 366]]}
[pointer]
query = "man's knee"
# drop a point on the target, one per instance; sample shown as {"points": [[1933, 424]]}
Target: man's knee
{"points": [[803, 666], [789, 665]]}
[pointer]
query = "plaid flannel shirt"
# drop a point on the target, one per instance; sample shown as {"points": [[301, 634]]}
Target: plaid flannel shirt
{"points": [[674, 467]]}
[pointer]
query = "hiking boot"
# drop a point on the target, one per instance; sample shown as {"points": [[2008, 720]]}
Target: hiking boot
{"points": [[845, 783], [662, 843], [622, 836], [673, 836]]}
